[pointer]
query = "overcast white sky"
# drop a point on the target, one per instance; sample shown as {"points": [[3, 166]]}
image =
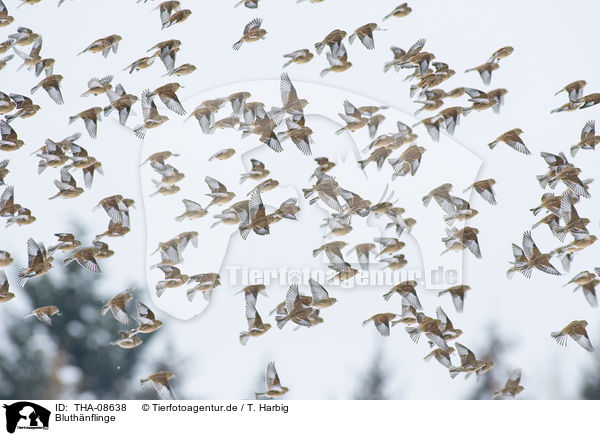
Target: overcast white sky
{"points": [[324, 362]]}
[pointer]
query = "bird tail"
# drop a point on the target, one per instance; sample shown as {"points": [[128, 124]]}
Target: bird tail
{"points": [[281, 321], [22, 277], [108, 109], [244, 336], [387, 66], [319, 46], [238, 44], [414, 333], [324, 72], [288, 63], [560, 338], [388, 295], [426, 200], [73, 119], [190, 294], [160, 289], [362, 164], [453, 371], [449, 219], [536, 210], [510, 273], [42, 166], [246, 129], [35, 88], [276, 114], [307, 192], [9, 118], [492, 144], [560, 233], [574, 149], [543, 180], [244, 232], [524, 268], [340, 131], [140, 131], [351, 38]]}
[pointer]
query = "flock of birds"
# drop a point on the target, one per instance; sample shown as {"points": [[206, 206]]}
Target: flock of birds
{"points": [[273, 127]]}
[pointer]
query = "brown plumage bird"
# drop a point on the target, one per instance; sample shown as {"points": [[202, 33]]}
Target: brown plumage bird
{"points": [[458, 295], [147, 322], [365, 35], [485, 189], [252, 32], [177, 17], [574, 90], [442, 356], [301, 56], [431, 327], [181, 70], [588, 139], [90, 119], [219, 193], [256, 219], [485, 71], [5, 295], [465, 238], [67, 186], [10, 140], [51, 84], [512, 387], [469, 363], [103, 45], [121, 102], [274, 388], [128, 340], [407, 291], [535, 258], [576, 330], [39, 262], [167, 94], [5, 258], [160, 382], [117, 306], [5, 18], [513, 139], [382, 322], [256, 327], [66, 242], [295, 310], [45, 314], [333, 40], [152, 118], [399, 11], [86, 258]]}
